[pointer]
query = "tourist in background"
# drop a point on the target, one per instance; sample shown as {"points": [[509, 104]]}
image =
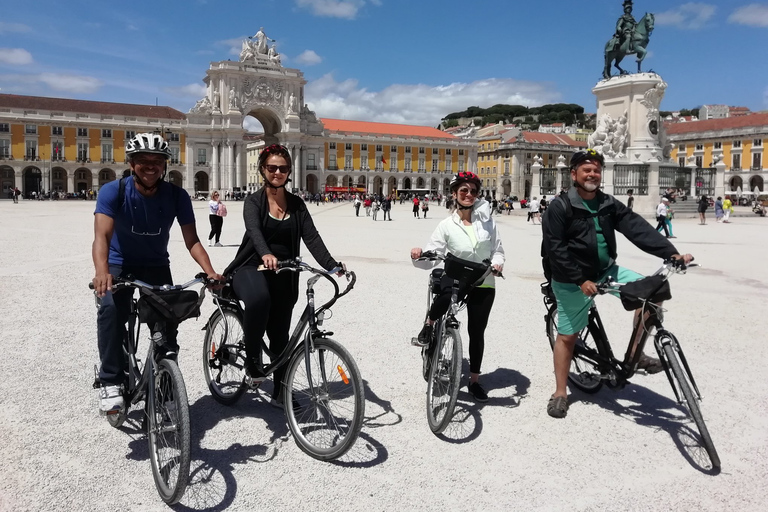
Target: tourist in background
{"points": [[727, 209], [702, 208], [719, 209], [216, 219]]}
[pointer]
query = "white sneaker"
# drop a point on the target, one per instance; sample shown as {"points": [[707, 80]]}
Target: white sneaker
{"points": [[210, 242], [217, 244], [111, 399]]}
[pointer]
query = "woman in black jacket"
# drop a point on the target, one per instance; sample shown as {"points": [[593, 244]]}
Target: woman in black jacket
{"points": [[275, 223]]}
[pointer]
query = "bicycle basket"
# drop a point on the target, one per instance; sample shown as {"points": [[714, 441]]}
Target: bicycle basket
{"points": [[173, 305], [465, 271], [652, 289], [434, 280]]}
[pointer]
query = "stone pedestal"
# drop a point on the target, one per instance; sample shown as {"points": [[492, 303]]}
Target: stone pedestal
{"points": [[628, 117]]}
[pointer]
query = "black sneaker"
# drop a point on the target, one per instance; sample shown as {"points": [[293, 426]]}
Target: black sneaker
{"points": [[422, 340], [477, 391]]}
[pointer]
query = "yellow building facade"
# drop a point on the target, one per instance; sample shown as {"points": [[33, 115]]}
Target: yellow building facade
{"points": [[736, 143], [72, 146]]}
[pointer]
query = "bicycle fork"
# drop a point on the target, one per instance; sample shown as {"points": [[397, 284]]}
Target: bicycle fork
{"points": [[665, 338]]}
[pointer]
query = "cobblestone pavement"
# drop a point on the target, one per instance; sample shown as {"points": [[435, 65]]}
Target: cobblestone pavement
{"points": [[619, 450]]}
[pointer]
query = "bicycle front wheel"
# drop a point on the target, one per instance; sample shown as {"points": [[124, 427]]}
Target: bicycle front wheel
{"points": [[223, 363], [324, 399], [691, 401], [444, 378], [584, 374], [169, 451]]}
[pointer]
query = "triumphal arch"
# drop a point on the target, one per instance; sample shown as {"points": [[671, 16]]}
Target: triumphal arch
{"points": [[257, 85]]}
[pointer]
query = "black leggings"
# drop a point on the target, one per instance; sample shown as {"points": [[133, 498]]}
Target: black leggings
{"points": [[216, 223], [260, 291], [479, 303], [662, 225]]}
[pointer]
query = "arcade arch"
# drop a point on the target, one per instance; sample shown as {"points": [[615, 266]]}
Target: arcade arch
{"points": [[8, 178], [756, 182], [176, 178], [105, 176], [83, 179], [736, 182], [201, 183], [32, 179], [59, 180], [312, 183]]}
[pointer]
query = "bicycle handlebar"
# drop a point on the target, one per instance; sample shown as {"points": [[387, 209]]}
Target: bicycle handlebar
{"points": [[296, 265], [670, 266], [433, 256], [128, 282]]}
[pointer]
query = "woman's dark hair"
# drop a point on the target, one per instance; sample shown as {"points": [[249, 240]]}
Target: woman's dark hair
{"points": [[274, 149]]}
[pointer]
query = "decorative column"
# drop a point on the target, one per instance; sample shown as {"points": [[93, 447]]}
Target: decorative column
{"points": [[608, 171], [215, 175], [720, 177], [70, 181], [238, 170], [559, 178], [298, 171], [536, 176], [190, 165], [691, 169], [230, 167]]}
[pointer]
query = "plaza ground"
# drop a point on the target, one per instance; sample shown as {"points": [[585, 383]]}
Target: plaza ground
{"points": [[626, 450]]}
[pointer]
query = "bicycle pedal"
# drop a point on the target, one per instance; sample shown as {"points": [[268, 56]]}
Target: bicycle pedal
{"points": [[416, 343]]}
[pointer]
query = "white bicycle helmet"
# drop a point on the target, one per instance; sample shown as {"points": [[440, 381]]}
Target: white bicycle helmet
{"points": [[147, 143]]}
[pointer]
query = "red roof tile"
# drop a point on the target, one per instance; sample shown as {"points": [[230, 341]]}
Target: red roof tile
{"points": [[402, 130], [726, 123], [550, 138], [90, 107]]}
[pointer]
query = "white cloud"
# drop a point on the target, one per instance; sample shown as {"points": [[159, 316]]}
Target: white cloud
{"points": [[309, 58], [80, 84], [419, 104], [235, 44], [753, 15], [70, 83], [346, 9], [132, 27], [196, 91], [690, 16], [7, 28], [251, 124], [16, 56]]}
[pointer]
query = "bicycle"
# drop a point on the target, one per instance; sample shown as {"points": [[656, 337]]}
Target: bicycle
{"points": [[594, 364], [442, 358], [323, 394], [157, 380]]}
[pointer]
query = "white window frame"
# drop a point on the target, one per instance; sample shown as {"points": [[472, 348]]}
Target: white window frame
{"points": [[757, 143], [30, 129], [202, 152], [107, 153], [83, 151], [82, 132], [736, 144], [106, 133], [5, 148], [332, 145]]}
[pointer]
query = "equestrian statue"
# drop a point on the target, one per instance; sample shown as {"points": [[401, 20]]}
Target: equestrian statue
{"points": [[631, 38]]}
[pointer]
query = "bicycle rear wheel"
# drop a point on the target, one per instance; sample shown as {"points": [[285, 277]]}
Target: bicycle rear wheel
{"points": [[223, 363], [324, 399], [671, 355], [168, 429], [584, 374], [444, 378]]}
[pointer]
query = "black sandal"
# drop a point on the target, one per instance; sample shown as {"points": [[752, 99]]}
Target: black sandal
{"points": [[557, 406]]}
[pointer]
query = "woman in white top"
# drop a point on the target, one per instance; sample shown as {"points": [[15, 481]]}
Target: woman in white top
{"points": [[216, 221], [468, 233]]}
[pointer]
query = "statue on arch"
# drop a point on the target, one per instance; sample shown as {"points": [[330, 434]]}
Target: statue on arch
{"points": [[273, 55], [631, 38]]}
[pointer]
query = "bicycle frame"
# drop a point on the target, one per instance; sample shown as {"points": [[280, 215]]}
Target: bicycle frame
{"points": [[309, 323]]}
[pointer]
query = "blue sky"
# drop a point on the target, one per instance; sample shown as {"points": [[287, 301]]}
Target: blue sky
{"points": [[404, 61]]}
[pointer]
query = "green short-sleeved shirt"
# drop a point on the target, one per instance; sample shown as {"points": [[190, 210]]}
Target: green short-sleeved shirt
{"points": [[602, 246]]}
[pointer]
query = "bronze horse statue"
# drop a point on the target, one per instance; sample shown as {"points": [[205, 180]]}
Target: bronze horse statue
{"points": [[639, 42]]}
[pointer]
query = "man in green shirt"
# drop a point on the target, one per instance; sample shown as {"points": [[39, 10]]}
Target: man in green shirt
{"points": [[580, 242]]}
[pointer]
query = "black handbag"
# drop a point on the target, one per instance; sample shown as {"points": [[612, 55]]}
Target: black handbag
{"points": [[652, 289], [465, 271], [168, 305]]}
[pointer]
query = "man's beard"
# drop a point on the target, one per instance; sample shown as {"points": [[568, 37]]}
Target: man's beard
{"points": [[588, 186]]}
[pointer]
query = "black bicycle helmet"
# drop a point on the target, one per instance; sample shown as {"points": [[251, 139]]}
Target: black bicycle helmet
{"points": [[148, 143], [465, 177], [580, 157]]}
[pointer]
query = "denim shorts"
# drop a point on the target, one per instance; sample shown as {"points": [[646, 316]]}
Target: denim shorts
{"points": [[573, 306]]}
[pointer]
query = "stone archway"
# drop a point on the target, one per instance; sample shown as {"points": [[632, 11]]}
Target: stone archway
{"points": [[270, 120], [32, 179], [176, 178], [378, 185], [312, 183], [446, 187], [59, 180], [756, 182], [391, 184], [105, 176], [506, 187], [346, 181], [361, 182], [433, 187], [201, 183], [407, 183], [420, 183], [331, 181], [8, 177], [736, 182], [83, 180]]}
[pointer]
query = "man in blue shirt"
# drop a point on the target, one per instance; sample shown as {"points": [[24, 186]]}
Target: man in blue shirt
{"points": [[131, 234]]}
